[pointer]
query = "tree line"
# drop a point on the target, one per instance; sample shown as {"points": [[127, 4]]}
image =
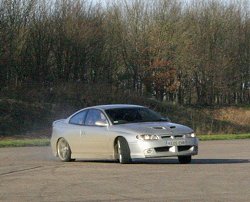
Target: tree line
{"points": [[182, 52]]}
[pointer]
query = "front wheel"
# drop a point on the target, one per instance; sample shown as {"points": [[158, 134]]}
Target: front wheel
{"points": [[123, 151], [63, 150], [184, 159]]}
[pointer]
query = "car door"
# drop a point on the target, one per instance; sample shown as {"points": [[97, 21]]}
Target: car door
{"points": [[95, 138], [75, 131]]}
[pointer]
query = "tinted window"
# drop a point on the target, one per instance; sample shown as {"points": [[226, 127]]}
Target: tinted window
{"points": [[133, 115], [93, 116], [79, 118]]}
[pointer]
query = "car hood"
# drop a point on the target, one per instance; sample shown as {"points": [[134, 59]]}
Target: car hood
{"points": [[159, 128]]}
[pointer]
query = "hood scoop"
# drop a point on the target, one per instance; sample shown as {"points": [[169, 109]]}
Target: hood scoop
{"points": [[159, 128], [162, 127]]}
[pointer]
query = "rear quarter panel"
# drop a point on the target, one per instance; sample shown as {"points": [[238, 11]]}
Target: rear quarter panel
{"points": [[61, 129]]}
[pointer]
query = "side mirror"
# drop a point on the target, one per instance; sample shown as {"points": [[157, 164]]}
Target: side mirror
{"points": [[101, 123]]}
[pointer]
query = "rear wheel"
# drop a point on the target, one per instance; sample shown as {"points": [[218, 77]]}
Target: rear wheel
{"points": [[123, 151], [184, 159], [63, 150]]}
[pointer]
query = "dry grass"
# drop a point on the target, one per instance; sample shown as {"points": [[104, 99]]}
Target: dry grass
{"points": [[236, 115]]}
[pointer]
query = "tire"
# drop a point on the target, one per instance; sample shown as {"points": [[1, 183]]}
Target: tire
{"points": [[184, 159], [123, 151], [63, 150]]}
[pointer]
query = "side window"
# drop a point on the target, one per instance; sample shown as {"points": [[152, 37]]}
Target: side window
{"points": [[93, 116], [79, 118]]}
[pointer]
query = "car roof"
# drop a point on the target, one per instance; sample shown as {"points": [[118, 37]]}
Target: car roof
{"points": [[114, 106]]}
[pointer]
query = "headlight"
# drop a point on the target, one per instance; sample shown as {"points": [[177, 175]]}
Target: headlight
{"points": [[189, 135], [147, 137]]}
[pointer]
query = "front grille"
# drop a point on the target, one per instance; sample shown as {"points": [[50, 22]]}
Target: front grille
{"points": [[175, 136], [162, 149], [166, 136], [184, 148], [169, 136]]}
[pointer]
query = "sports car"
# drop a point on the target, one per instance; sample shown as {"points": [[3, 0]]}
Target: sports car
{"points": [[123, 133]]}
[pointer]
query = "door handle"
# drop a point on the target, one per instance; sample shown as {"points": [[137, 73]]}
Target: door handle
{"points": [[82, 133]]}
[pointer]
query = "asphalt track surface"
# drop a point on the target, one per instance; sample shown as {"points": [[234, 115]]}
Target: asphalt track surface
{"points": [[221, 172]]}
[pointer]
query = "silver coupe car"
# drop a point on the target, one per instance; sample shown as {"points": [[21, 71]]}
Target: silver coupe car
{"points": [[121, 132]]}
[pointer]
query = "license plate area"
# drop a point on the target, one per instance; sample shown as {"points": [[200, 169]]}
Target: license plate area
{"points": [[176, 142]]}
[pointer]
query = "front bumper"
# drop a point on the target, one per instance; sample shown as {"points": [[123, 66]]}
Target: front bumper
{"points": [[162, 148]]}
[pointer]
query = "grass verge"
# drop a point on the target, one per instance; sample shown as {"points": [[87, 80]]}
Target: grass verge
{"points": [[24, 142], [46, 141], [224, 137]]}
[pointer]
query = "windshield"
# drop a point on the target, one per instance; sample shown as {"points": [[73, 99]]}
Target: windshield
{"points": [[133, 115]]}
